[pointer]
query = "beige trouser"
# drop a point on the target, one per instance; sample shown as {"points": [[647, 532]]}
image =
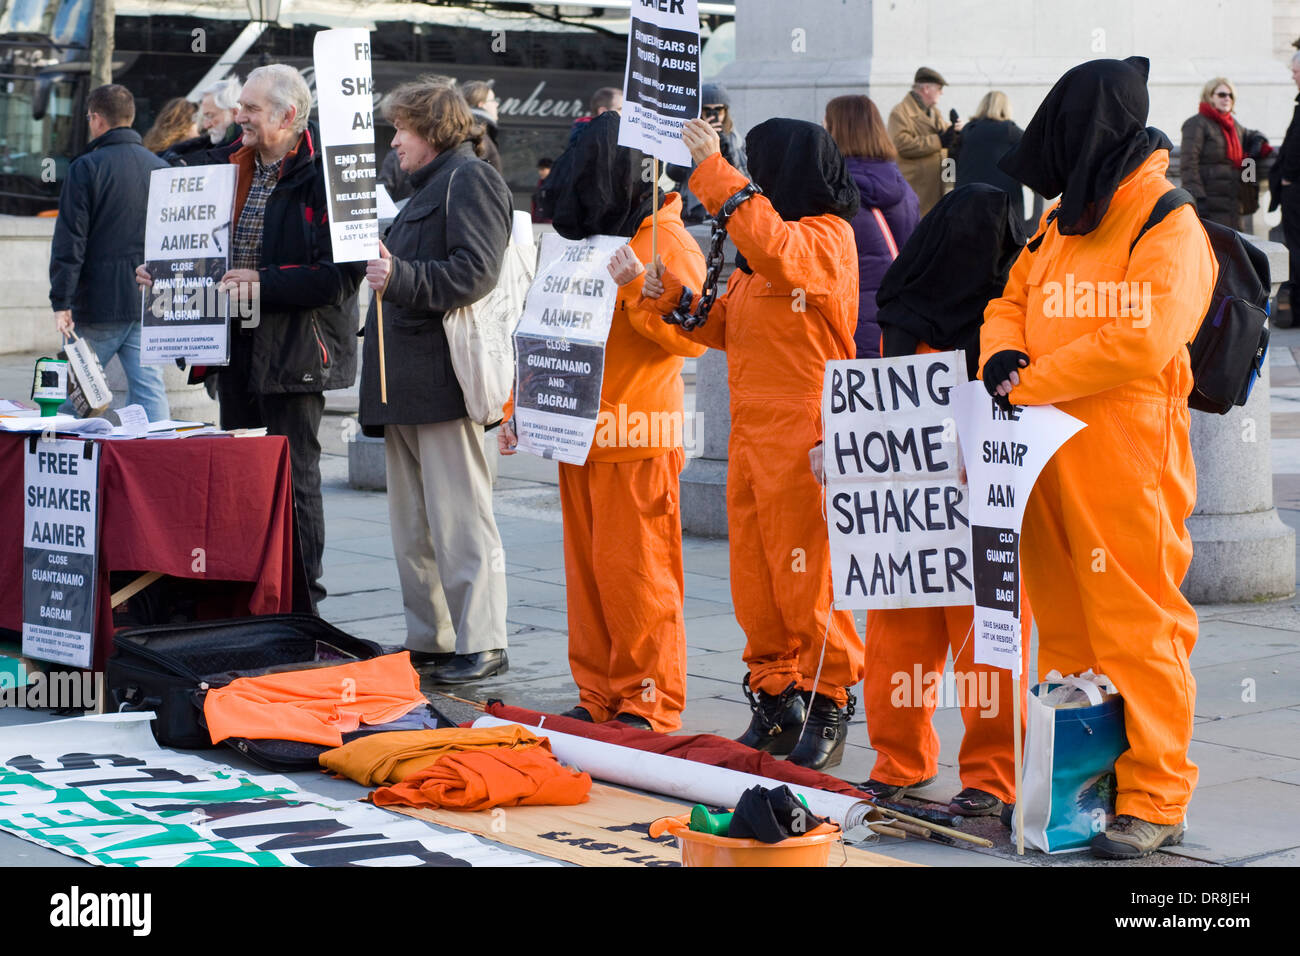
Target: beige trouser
{"points": [[449, 556]]}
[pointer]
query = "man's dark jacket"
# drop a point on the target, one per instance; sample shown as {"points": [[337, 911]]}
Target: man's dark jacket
{"points": [[182, 153], [99, 235], [305, 337], [1287, 164], [441, 261]]}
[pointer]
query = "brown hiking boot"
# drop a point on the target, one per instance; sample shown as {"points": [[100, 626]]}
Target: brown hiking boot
{"points": [[1131, 838]]}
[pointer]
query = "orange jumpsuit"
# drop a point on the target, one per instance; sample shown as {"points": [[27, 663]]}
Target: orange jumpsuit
{"points": [[904, 647], [622, 526], [1105, 544], [779, 326]]}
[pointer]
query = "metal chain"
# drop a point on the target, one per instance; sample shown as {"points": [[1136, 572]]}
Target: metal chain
{"points": [[682, 315]]}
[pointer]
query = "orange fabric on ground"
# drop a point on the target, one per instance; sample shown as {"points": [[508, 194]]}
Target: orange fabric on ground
{"points": [[392, 757], [622, 526], [1105, 544], [904, 647], [315, 706], [779, 326], [480, 780]]}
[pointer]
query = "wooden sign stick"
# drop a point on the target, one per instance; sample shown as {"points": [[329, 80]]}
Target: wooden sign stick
{"points": [[383, 374]]}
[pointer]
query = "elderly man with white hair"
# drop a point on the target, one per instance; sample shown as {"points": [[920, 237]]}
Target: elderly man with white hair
{"points": [[302, 338], [217, 127]]}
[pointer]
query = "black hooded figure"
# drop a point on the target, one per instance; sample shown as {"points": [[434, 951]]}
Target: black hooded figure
{"points": [[947, 271], [608, 191]]}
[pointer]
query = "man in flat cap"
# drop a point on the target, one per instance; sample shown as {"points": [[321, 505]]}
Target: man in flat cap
{"points": [[922, 137]]}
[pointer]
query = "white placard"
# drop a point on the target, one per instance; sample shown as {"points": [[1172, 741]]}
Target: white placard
{"points": [[661, 84], [895, 505], [60, 546], [1005, 452], [345, 94], [560, 347]]}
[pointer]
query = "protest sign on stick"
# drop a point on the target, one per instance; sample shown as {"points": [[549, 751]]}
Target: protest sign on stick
{"points": [[560, 347], [345, 93], [1005, 452], [187, 251], [895, 504]]}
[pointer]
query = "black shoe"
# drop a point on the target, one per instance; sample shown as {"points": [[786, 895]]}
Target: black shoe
{"points": [[888, 792], [1007, 814], [775, 724], [578, 713], [975, 803], [822, 743], [425, 659], [468, 668], [634, 720]]}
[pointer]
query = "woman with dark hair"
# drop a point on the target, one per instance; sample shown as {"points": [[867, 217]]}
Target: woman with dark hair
{"points": [[443, 251], [1216, 153], [933, 300], [623, 569], [889, 209], [789, 309], [175, 122]]}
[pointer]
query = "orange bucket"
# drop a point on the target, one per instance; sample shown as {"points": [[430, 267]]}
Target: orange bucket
{"points": [[705, 849]]}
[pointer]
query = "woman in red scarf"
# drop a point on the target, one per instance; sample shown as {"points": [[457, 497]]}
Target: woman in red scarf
{"points": [[1219, 157]]}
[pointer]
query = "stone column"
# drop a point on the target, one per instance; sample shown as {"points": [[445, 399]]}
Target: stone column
{"points": [[1242, 550]]}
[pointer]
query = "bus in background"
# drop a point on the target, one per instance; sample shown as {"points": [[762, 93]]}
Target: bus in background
{"points": [[546, 60]]}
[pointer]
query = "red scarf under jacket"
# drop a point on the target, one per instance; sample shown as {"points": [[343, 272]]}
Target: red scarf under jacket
{"points": [[1230, 134]]}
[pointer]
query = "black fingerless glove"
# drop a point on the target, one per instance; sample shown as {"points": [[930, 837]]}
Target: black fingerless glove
{"points": [[998, 369], [947, 136], [897, 342]]}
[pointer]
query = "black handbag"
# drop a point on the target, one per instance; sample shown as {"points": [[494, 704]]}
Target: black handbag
{"points": [[169, 668]]}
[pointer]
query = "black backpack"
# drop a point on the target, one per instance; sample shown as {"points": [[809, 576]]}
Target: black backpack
{"points": [[1231, 345]]}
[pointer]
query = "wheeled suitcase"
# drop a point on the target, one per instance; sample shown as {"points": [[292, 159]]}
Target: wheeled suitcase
{"points": [[169, 668]]}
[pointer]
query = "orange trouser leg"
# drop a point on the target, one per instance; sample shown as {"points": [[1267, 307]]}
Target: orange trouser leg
{"points": [[628, 650], [1124, 488], [589, 640], [779, 544], [904, 647]]}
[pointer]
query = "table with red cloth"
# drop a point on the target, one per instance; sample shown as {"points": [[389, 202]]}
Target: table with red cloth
{"points": [[159, 500]]}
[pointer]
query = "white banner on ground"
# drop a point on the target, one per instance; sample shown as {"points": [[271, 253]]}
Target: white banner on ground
{"points": [[895, 507], [60, 538], [560, 347], [187, 251], [102, 790], [1004, 452], [345, 93], [661, 84]]}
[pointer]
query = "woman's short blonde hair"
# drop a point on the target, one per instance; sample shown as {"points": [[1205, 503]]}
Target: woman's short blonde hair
{"points": [[1207, 91], [994, 106], [432, 108]]}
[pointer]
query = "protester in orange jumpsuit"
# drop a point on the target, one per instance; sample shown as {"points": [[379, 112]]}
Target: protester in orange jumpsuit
{"points": [[622, 526], [932, 299], [1105, 543], [791, 307]]}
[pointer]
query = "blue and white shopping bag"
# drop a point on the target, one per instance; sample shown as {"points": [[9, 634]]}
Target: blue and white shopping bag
{"points": [[1075, 733]]}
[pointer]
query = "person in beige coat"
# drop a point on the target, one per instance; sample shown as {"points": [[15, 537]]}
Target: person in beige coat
{"points": [[922, 137]]}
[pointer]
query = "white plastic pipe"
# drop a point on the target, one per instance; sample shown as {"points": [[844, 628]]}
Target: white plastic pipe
{"points": [[686, 780]]}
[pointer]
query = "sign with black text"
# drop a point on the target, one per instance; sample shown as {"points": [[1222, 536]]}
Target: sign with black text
{"points": [[60, 538], [560, 347], [895, 504], [345, 93], [1005, 452], [187, 251], [661, 87]]}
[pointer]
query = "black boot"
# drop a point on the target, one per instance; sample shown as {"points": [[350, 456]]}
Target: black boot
{"points": [[822, 743], [776, 721]]}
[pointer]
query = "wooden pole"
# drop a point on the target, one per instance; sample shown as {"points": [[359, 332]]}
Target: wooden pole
{"points": [[1020, 767], [383, 373], [654, 215]]}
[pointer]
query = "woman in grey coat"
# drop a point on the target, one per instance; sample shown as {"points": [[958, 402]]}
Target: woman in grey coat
{"points": [[442, 252]]}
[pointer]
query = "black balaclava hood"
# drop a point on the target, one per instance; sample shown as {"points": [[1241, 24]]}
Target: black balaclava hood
{"points": [[606, 194], [955, 261], [801, 172], [1088, 134]]}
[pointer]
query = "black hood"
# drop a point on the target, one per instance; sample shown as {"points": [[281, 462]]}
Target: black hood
{"points": [[955, 261], [800, 170], [1088, 134], [606, 193]]}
